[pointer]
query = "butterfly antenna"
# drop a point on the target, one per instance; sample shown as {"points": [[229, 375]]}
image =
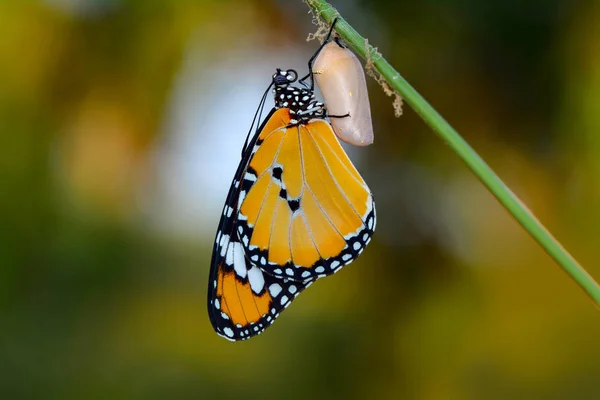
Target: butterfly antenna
{"points": [[257, 114]]}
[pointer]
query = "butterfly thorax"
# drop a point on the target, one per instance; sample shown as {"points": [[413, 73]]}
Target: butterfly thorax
{"points": [[300, 101]]}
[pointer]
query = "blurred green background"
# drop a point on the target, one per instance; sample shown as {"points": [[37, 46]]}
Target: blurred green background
{"points": [[121, 124]]}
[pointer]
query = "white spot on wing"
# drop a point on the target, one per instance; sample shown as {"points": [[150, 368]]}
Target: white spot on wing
{"points": [[224, 243], [256, 279], [284, 299], [319, 269], [217, 304], [227, 331], [239, 262], [293, 289], [224, 240], [229, 258], [275, 289]]}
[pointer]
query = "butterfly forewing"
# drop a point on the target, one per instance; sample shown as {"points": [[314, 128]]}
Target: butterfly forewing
{"points": [[306, 211]]}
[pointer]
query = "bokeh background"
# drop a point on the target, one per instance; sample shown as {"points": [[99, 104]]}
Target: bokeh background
{"points": [[121, 124]]}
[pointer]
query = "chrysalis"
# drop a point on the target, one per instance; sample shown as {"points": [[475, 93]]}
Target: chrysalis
{"points": [[341, 79]]}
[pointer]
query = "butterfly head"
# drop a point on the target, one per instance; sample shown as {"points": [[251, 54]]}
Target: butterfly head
{"points": [[300, 101], [283, 78]]}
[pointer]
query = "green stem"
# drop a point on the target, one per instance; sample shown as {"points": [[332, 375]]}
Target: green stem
{"points": [[439, 125]]}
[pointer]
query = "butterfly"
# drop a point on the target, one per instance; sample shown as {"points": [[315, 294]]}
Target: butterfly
{"points": [[297, 210]]}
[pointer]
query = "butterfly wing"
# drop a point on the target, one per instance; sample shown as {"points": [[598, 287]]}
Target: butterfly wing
{"points": [[305, 211], [242, 299]]}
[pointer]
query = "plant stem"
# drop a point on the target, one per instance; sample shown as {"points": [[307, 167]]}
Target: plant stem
{"points": [[443, 129]]}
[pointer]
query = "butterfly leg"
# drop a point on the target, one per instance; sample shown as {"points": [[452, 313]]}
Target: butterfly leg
{"points": [[314, 56], [339, 116]]}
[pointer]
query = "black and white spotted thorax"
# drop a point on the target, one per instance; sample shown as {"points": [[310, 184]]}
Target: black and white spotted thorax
{"points": [[300, 101]]}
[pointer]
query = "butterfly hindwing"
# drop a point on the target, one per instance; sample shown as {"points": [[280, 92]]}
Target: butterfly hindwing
{"points": [[243, 300]]}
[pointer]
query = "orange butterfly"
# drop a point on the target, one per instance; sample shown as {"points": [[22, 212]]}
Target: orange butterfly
{"points": [[297, 210]]}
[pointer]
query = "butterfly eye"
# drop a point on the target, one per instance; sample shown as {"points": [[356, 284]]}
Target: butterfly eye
{"points": [[292, 75]]}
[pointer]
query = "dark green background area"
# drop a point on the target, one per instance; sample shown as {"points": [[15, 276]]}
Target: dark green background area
{"points": [[451, 300]]}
